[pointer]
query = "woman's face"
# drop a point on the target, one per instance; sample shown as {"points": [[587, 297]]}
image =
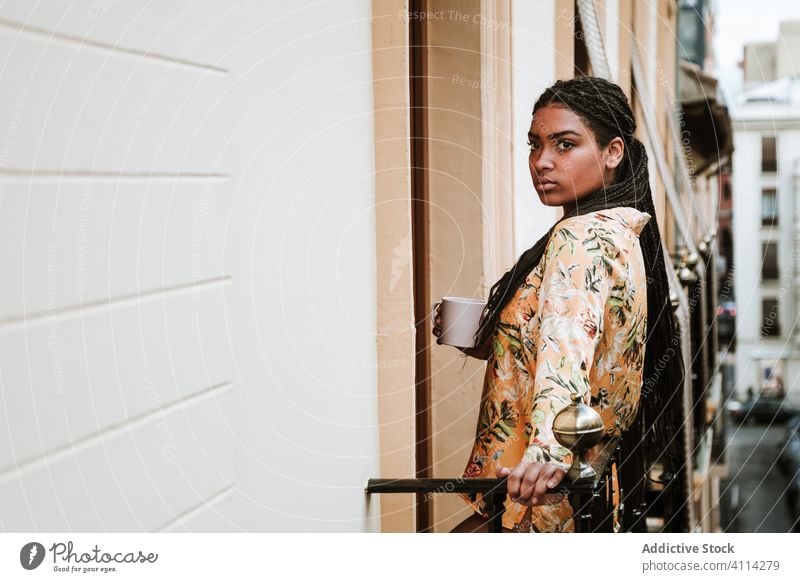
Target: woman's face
{"points": [[565, 161]]}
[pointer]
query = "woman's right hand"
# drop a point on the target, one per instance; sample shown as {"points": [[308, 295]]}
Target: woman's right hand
{"points": [[482, 354]]}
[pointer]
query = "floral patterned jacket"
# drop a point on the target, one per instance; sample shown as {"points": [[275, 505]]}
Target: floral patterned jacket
{"points": [[577, 324]]}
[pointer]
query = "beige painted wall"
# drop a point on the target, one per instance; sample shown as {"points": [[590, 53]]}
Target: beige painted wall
{"points": [[396, 336], [467, 184], [625, 32], [642, 21], [565, 39], [455, 177]]}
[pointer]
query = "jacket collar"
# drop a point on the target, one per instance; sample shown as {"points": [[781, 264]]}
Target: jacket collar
{"points": [[630, 217]]}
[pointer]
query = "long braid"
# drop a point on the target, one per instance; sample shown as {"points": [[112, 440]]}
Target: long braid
{"points": [[603, 106]]}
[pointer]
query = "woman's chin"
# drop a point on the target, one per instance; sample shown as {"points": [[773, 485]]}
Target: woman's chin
{"points": [[550, 199]]}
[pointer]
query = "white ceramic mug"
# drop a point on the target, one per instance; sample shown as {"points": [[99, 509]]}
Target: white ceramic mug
{"points": [[460, 319]]}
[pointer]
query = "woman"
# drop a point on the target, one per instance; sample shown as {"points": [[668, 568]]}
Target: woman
{"points": [[586, 310]]}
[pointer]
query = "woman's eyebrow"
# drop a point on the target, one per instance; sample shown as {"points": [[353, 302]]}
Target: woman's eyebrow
{"points": [[555, 135]]}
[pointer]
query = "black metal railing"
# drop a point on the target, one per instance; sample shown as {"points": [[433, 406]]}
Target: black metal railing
{"points": [[591, 500]]}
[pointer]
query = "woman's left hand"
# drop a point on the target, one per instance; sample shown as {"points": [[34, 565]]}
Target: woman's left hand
{"points": [[528, 482]]}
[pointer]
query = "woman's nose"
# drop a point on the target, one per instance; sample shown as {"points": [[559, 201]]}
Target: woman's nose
{"points": [[542, 161]]}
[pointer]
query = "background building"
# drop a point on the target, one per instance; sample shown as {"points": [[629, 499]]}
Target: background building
{"points": [[765, 190], [769, 61]]}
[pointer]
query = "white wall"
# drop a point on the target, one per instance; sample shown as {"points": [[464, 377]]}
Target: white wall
{"points": [[185, 221], [302, 248]]}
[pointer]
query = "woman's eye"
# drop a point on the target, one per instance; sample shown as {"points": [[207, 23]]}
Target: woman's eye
{"points": [[561, 146], [564, 146]]}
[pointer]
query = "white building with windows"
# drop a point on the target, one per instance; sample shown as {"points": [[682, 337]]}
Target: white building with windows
{"points": [[766, 190]]}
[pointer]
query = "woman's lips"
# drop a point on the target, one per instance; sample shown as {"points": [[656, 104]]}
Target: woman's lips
{"points": [[546, 186]]}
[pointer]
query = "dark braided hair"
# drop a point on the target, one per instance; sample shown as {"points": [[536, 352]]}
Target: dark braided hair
{"points": [[657, 433]]}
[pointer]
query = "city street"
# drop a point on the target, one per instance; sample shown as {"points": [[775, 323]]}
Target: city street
{"points": [[753, 495]]}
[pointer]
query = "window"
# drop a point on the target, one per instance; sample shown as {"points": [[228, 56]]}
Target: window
{"points": [[769, 162], [769, 261], [692, 32], [769, 207], [726, 243], [769, 316]]}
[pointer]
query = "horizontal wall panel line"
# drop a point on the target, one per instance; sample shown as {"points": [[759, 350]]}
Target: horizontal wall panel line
{"points": [[28, 175], [49, 36], [20, 323], [72, 448], [203, 505]]}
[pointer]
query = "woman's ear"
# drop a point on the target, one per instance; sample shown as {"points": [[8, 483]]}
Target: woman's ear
{"points": [[615, 150]]}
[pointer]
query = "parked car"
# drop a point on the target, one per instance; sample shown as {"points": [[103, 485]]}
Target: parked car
{"points": [[762, 409], [789, 463]]}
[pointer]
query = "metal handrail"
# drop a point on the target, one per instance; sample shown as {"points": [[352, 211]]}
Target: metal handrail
{"points": [[581, 493]]}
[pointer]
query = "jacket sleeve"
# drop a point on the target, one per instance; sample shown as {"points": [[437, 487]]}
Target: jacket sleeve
{"points": [[578, 272]]}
